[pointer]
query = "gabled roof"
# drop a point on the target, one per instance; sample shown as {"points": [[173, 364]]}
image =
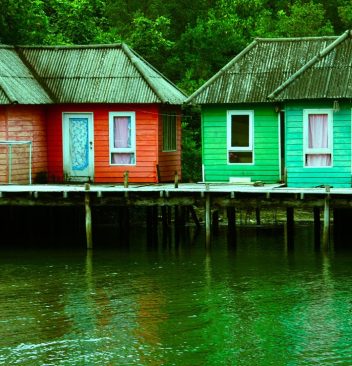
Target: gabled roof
{"points": [[82, 74], [17, 83], [283, 68]]}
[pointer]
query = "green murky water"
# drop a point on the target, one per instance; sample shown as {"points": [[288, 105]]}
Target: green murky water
{"points": [[258, 304]]}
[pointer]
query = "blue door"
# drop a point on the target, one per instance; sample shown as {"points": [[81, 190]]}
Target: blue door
{"points": [[78, 147]]}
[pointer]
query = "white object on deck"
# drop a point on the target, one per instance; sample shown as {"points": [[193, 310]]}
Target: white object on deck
{"points": [[242, 180]]}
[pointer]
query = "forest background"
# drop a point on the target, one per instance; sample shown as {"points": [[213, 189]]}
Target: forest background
{"points": [[188, 41]]}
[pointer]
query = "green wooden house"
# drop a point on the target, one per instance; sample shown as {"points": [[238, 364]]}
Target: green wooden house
{"points": [[280, 111]]}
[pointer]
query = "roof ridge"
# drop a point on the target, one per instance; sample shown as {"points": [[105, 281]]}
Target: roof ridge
{"points": [[310, 63], [134, 59], [221, 71], [38, 79], [290, 39], [71, 46]]}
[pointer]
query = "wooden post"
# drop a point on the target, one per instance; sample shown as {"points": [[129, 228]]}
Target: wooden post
{"points": [[158, 173], [152, 225], [125, 179], [207, 220], [326, 227], [290, 227], [194, 216], [215, 222], [257, 215], [89, 236], [231, 226], [176, 179], [317, 227], [125, 223]]}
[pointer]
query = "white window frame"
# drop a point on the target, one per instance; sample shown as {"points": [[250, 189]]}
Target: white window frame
{"points": [[122, 150], [312, 151], [250, 147]]}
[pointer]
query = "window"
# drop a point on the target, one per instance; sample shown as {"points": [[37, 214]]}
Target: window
{"points": [[240, 137], [317, 138], [122, 126], [169, 132]]}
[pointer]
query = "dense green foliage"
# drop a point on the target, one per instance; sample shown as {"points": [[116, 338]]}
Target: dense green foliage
{"points": [[188, 41]]}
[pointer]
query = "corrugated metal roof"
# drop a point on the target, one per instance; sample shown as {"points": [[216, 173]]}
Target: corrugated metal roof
{"points": [[99, 74], [17, 84], [259, 70], [329, 75]]}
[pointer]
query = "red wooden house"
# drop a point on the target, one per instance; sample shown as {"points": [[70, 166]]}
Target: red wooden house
{"points": [[89, 113]]}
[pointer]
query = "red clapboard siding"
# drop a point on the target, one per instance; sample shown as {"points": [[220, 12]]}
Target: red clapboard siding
{"points": [[21, 122], [54, 140], [147, 142], [170, 162]]}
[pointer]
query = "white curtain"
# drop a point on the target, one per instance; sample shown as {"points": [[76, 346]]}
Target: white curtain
{"points": [[122, 139], [318, 138]]}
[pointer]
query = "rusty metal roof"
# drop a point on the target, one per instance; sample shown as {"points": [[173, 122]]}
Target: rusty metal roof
{"points": [[17, 84], [91, 74], [283, 68]]}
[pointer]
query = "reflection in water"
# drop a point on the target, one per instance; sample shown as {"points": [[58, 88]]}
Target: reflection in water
{"points": [[259, 304]]}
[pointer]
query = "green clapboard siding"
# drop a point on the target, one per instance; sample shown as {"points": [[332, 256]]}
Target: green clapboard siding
{"points": [[266, 145], [339, 175]]}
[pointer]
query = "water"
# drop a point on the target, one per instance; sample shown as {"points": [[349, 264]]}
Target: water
{"points": [[258, 304]]}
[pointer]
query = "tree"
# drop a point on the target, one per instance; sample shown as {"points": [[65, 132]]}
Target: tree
{"points": [[304, 19], [78, 22], [150, 39], [345, 14], [23, 22], [217, 38]]}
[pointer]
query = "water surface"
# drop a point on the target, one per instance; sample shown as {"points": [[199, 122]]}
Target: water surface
{"points": [[256, 304]]}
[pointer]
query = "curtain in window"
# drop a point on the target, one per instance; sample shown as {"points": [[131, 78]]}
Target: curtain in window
{"points": [[122, 139], [318, 138], [122, 132]]}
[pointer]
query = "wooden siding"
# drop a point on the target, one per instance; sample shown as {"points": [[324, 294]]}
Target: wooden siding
{"points": [[339, 175], [266, 144], [170, 161], [146, 142], [21, 123]]}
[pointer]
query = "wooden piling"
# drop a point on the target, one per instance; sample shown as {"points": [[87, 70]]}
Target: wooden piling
{"points": [[326, 227], [231, 227], [290, 222], [215, 222], [317, 226], [194, 216], [207, 220], [88, 210], [257, 215], [152, 225]]}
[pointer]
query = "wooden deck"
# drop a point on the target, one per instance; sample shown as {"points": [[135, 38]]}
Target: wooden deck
{"points": [[170, 187], [209, 196]]}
